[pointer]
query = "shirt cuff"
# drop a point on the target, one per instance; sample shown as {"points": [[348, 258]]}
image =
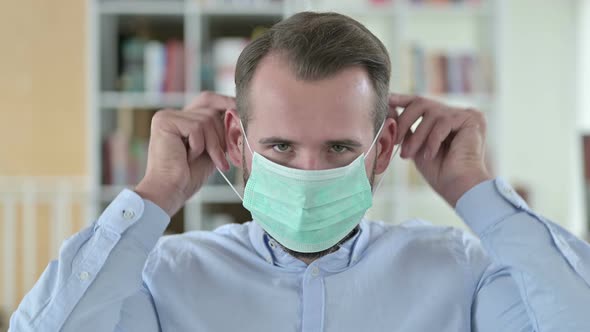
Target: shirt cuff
{"points": [[488, 203], [140, 218]]}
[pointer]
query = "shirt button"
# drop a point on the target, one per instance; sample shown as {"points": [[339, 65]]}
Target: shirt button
{"points": [[315, 271], [272, 244], [84, 275], [128, 214]]}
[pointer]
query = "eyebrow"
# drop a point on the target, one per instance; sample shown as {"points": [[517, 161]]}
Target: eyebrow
{"points": [[279, 140]]}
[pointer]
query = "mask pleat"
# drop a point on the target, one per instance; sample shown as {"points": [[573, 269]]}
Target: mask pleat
{"points": [[308, 210]]}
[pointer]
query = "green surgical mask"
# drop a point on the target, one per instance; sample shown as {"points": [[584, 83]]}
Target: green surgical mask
{"points": [[307, 210]]}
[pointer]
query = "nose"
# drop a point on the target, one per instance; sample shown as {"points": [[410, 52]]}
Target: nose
{"points": [[310, 160]]}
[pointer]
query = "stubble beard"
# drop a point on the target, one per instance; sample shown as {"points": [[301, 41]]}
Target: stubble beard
{"points": [[307, 256]]}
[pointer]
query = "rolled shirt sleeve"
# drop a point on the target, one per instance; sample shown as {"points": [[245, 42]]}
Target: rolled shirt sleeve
{"points": [[97, 270], [548, 265]]}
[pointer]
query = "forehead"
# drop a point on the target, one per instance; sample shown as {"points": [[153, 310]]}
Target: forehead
{"points": [[280, 103]]}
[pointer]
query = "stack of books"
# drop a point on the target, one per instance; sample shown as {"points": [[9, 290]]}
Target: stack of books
{"points": [[152, 66], [444, 2], [440, 72], [124, 151]]}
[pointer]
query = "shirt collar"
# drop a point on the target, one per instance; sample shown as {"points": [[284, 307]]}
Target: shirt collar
{"points": [[347, 255]]}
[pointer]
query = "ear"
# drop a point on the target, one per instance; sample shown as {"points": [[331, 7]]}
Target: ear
{"points": [[385, 145], [233, 137]]}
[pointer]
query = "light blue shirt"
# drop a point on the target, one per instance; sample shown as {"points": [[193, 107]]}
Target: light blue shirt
{"points": [[526, 274]]}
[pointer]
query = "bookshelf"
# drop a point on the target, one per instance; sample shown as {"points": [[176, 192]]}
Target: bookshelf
{"points": [[126, 91]]}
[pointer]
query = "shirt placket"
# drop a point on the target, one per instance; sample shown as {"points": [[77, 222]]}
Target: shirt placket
{"points": [[313, 299]]}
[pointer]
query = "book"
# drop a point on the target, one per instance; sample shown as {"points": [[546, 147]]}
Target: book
{"points": [[226, 51], [174, 72], [467, 70], [586, 156], [118, 147], [132, 64], [154, 66], [444, 72], [454, 75], [445, 2], [436, 76], [125, 150]]}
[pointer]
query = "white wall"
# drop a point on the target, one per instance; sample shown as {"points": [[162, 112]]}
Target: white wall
{"points": [[584, 64], [538, 101], [583, 74]]}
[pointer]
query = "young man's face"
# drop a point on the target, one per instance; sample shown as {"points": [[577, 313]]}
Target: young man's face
{"points": [[311, 125]]}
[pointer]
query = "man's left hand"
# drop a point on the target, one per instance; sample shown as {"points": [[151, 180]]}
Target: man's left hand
{"points": [[447, 146]]}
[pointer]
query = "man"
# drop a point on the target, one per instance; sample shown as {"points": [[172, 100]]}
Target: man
{"points": [[312, 125]]}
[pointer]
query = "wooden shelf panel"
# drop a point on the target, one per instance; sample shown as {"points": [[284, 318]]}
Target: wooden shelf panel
{"points": [[140, 100], [140, 7]]}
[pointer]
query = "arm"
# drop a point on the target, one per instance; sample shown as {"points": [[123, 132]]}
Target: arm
{"points": [[540, 276], [548, 266], [96, 283], [98, 270]]}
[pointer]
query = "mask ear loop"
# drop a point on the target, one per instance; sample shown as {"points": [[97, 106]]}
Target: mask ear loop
{"points": [[223, 175], [246, 138], [390, 159], [376, 137]]}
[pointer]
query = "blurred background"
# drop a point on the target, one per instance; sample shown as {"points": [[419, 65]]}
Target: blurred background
{"points": [[80, 81]]}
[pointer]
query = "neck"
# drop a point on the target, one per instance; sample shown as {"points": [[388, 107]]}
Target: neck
{"points": [[310, 257]]}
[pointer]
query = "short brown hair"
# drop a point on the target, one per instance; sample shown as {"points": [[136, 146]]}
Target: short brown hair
{"points": [[318, 45]]}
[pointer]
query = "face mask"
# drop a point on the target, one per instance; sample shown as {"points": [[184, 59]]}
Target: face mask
{"points": [[307, 210]]}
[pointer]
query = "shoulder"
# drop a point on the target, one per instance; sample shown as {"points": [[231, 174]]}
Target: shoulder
{"points": [[422, 238], [417, 230], [229, 241]]}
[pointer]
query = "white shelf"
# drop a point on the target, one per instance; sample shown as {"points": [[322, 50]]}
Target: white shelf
{"points": [[207, 195], [141, 7], [394, 22], [258, 10], [112, 99], [109, 192], [448, 10], [439, 11], [220, 193], [362, 11], [463, 99]]}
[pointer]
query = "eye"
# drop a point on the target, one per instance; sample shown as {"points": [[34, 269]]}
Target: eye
{"points": [[339, 148], [281, 147]]}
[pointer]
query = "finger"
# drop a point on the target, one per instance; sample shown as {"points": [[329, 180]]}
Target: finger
{"points": [[217, 122], [393, 112], [214, 149], [209, 118], [208, 99], [408, 117], [439, 133], [401, 100], [417, 139], [406, 138], [191, 129], [203, 141], [195, 142]]}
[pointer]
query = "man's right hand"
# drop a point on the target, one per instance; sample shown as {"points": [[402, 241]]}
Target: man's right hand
{"points": [[185, 147]]}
